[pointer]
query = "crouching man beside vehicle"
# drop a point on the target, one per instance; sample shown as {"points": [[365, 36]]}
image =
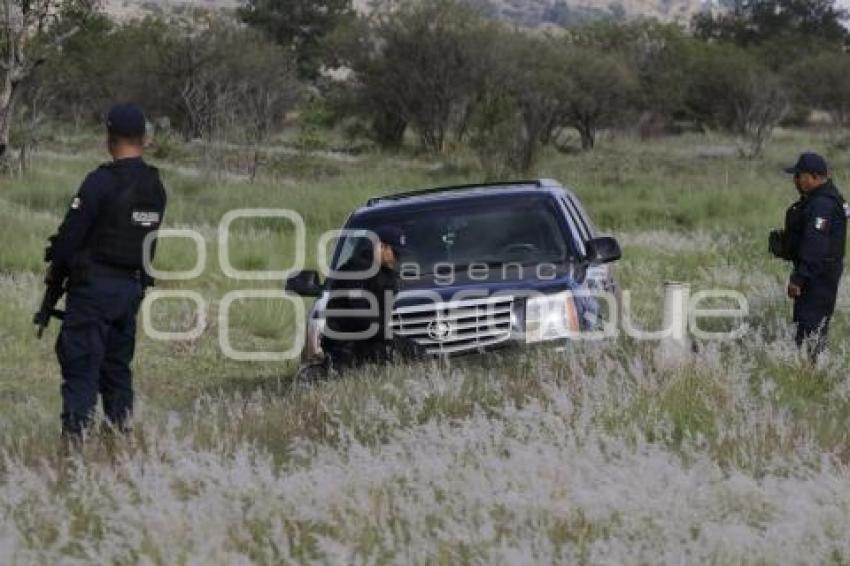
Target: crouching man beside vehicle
{"points": [[359, 309]]}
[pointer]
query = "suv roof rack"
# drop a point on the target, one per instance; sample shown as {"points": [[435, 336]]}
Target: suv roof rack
{"points": [[539, 183]]}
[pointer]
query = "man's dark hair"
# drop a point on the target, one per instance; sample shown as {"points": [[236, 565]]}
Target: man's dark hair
{"points": [[115, 139]]}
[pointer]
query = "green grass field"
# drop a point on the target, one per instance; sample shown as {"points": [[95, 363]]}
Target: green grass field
{"points": [[598, 454]]}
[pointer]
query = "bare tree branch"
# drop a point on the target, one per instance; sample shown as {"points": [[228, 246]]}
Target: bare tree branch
{"points": [[27, 25]]}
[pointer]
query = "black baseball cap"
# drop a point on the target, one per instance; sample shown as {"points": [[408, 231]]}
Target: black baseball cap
{"points": [[809, 162], [391, 236], [126, 120]]}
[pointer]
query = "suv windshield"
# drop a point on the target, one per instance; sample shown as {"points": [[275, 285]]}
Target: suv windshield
{"points": [[493, 232]]}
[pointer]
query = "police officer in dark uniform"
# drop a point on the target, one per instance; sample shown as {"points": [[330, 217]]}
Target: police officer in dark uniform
{"points": [[814, 240], [98, 250], [350, 294]]}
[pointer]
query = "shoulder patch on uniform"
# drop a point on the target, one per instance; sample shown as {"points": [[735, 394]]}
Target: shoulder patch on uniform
{"points": [[76, 203], [847, 209], [821, 224]]}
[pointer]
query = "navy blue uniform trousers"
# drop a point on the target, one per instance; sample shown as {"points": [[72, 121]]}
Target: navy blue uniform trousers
{"points": [[95, 348], [813, 311]]}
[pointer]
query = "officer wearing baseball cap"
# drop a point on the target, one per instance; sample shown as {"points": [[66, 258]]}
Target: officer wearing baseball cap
{"points": [[813, 240], [98, 253], [347, 294], [393, 238]]}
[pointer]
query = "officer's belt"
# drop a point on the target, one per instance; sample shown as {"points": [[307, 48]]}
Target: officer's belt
{"points": [[101, 270]]}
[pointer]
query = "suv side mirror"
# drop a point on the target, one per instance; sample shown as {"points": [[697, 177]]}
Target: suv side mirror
{"points": [[603, 250], [305, 284]]}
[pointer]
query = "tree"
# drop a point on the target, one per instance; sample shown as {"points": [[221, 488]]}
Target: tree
{"points": [[265, 88], [301, 26], [600, 91], [752, 22], [32, 113], [366, 92], [535, 73], [193, 61], [823, 82], [496, 135], [520, 92], [416, 66], [69, 75], [534, 87], [431, 53], [657, 55], [729, 89], [31, 31], [209, 74], [156, 63], [227, 81], [762, 104]]}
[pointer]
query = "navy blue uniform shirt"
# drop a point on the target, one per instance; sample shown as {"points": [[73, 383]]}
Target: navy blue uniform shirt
{"points": [[821, 246]]}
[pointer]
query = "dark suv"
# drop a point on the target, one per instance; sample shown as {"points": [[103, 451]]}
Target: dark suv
{"points": [[485, 266]]}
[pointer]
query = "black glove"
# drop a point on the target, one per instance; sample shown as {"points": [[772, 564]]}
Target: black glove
{"points": [[48, 251], [776, 244]]}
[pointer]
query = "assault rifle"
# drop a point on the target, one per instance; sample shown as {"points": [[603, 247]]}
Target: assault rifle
{"points": [[54, 291]]}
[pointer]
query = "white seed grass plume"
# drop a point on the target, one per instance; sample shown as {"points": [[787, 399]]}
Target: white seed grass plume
{"points": [[435, 465]]}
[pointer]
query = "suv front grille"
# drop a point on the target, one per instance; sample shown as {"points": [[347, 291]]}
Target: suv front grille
{"points": [[457, 326]]}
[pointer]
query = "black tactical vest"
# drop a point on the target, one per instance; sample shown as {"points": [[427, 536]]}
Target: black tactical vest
{"points": [[795, 223], [838, 234], [136, 210]]}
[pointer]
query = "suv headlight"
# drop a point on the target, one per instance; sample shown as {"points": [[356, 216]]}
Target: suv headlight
{"points": [[550, 317]]}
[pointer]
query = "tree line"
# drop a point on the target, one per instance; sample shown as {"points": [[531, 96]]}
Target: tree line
{"points": [[438, 72]]}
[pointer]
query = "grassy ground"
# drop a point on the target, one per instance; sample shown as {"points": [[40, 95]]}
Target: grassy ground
{"points": [[602, 454]]}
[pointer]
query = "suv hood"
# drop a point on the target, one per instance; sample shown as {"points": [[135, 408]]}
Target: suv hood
{"points": [[425, 290]]}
